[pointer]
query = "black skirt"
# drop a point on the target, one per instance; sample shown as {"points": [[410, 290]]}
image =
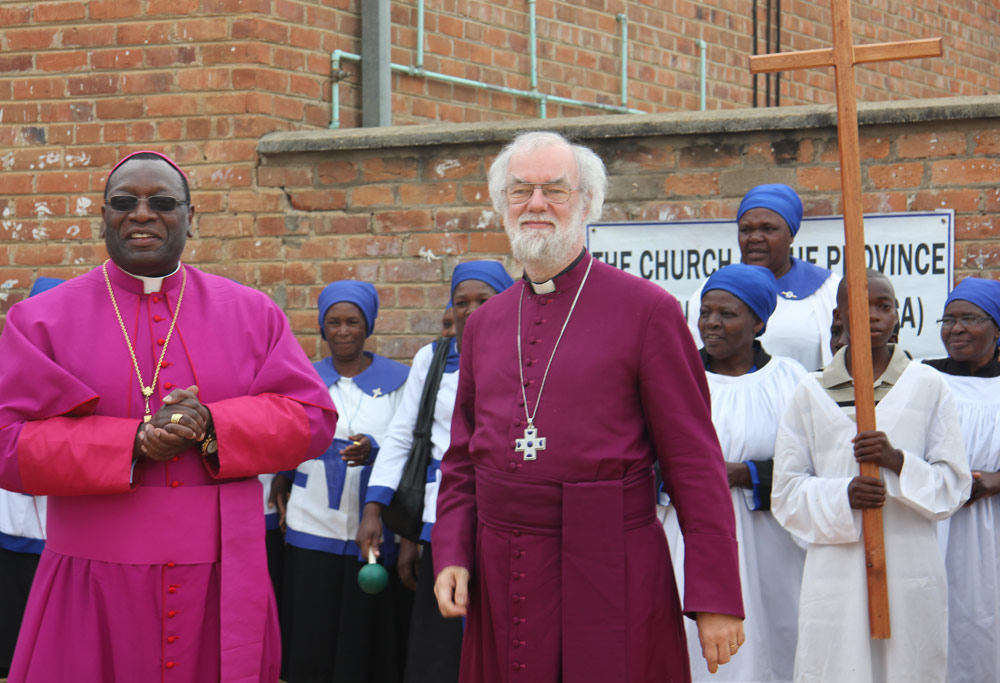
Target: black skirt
{"points": [[16, 573], [435, 647], [331, 630]]}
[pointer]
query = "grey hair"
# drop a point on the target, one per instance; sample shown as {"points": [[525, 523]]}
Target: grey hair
{"points": [[593, 176]]}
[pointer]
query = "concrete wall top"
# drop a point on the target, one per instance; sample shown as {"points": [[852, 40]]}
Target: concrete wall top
{"points": [[624, 126]]}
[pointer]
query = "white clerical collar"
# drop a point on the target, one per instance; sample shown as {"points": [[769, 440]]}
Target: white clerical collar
{"points": [[549, 285], [150, 285], [546, 287]]}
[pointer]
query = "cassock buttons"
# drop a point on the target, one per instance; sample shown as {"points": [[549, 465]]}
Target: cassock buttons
{"points": [[512, 466], [171, 614], [517, 666], [164, 363], [157, 318], [155, 298], [172, 589], [171, 639], [176, 483], [171, 565], [515, 643], [516, 576], [517, 554], [515, 598], [175, 458], [168, 385], [171, 665], [515, 621], [161, 341]]}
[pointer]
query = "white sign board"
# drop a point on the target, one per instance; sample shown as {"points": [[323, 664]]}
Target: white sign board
{"points": [[916, 251]]}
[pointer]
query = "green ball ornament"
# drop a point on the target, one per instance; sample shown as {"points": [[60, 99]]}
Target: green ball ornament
{"points": [[373, 578]]}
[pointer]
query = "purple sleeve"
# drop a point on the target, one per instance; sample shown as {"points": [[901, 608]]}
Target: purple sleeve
{"points": [[286, 417], [678, 415], [45, 408]]}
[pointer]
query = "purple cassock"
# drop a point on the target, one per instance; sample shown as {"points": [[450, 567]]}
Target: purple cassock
{"points": [[156, 574], [571, 575]]}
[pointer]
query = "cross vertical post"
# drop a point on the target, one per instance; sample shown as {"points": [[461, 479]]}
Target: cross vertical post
{"points": [[843, 56]]}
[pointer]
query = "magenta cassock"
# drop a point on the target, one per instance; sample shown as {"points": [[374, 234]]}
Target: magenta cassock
{"points": [[158, 574]]}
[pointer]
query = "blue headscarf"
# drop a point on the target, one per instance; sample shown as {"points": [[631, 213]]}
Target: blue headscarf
{"points": [[490, 272], [44, 284], [753, 285], [780, 198], [982, 293], [361, 294]]}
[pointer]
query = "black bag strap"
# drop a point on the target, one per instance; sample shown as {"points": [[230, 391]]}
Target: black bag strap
{"points": [[425, 415]]}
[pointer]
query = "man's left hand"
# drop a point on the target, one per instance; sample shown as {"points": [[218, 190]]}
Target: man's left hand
{"points": [[162, 437], [874, 447], [721, 636]]}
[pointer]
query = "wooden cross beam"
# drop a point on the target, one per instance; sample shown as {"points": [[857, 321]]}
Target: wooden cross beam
{"points": [[842, 57]]}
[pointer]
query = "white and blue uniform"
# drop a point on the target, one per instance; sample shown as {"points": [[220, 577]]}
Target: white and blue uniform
{"points": [[327, 496]]}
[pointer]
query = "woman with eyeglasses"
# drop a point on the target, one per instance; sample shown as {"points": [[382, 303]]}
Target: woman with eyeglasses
{"points": [[971, 538]]}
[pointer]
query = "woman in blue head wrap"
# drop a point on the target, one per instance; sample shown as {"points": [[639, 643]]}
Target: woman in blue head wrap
{"points": [[970, 332], [749, 391], [331, 630], [435, 642], [768, 219]]}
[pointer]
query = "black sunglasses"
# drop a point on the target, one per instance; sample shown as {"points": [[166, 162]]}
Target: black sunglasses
{"points": [[158, 203]]}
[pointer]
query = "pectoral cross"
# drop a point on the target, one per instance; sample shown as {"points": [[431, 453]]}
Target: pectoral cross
{"points": [[842, 57], [531, 443]]}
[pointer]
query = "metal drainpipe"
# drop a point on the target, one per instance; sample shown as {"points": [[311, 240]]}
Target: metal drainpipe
{"points": [[703, 69], [623, 20], [533, 43], [420, 35], [335, 90]]}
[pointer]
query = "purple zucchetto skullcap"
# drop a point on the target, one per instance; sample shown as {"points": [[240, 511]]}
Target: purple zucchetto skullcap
{"points": [[780, 198], [981, 292], [44, 284], [490, 272], [753, 285], [149, 151], [361, 294]]}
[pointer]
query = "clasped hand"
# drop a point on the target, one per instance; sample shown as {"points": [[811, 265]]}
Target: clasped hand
{"points": [[872, 447], [162, 438]]}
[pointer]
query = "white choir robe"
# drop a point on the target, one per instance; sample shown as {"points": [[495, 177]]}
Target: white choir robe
{"points": [[798, 328], [813, 465], [388, 469], [971, 539], [746, 411]]}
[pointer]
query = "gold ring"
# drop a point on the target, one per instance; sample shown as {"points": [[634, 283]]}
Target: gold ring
{"points": [[176, 417]]}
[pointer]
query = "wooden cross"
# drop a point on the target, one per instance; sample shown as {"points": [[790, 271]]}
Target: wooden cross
{"points": [[842, 57]]}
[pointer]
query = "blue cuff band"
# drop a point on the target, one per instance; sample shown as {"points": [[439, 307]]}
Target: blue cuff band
{"points": [[755, 480]]}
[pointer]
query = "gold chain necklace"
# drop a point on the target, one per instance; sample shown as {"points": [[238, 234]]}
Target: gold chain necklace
{"points": [[147, 391]]}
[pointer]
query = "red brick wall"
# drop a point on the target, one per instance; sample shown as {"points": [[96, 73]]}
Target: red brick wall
{"points": [[83, 83], [410, 205]]}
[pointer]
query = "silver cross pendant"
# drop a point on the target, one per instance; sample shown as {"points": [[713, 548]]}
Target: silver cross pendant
{"points": [[531, 443]]}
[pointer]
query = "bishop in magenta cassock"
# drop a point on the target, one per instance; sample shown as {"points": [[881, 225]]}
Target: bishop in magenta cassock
{"points": [[572, 384], [154, 567]]}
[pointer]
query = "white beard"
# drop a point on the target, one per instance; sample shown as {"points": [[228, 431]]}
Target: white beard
{"points": [[545, 247]]}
